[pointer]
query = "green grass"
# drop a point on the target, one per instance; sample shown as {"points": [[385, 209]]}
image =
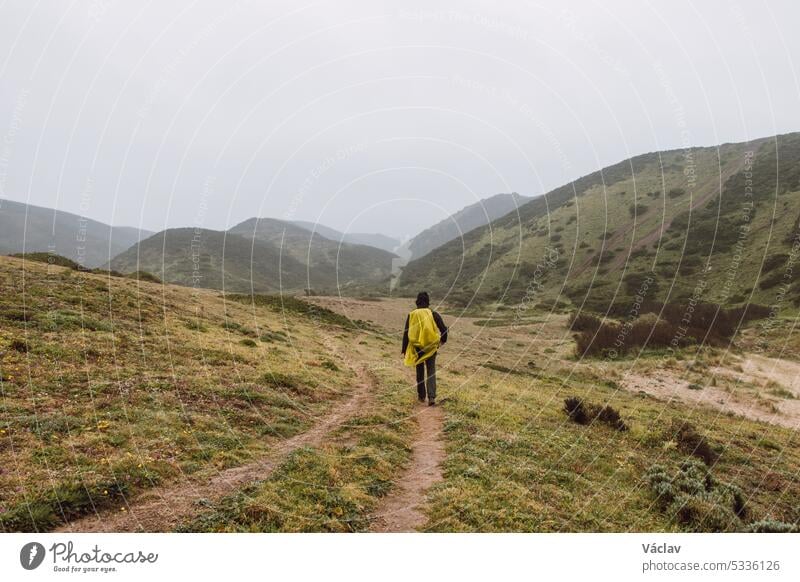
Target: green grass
{"points": [[331, 488], [593, 224], [107, 387], [514, 463], [293, 305]]}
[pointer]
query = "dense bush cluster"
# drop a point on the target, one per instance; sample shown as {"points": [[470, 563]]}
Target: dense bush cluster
{"points": [[691, 442], [693, 498], [670, 325], [582, 321], [772, 526], [586, 413]]}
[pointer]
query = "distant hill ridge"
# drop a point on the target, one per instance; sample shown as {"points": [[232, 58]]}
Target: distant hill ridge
{"points": [[464, 221], [261, 255], [380, 241], [711, 224], [28, 228]]}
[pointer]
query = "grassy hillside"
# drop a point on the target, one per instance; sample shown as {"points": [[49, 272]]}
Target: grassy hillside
{"points": [[326, 264], [463, 221], [111, 387], [211, 259], [280, 257], [706, 224], [28, 228]]}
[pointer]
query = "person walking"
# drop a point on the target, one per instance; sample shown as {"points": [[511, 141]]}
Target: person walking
{"points": [[424, 333]]}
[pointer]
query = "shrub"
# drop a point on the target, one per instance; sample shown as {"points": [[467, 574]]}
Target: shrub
{"points": [[676, 326], [581, 321], [20, 346], [693, 498], [231, 325], [273, 336], [196, 325], [691, 442], [280, 380], [676, 192], [13, 314], [772, 526], [773, 261], [611, 338], [637, 209], [586, 413], [65, 319], [248, 342], [329, 365]]}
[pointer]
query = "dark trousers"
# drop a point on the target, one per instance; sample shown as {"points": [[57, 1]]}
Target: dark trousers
{"points": [[430, 366]]}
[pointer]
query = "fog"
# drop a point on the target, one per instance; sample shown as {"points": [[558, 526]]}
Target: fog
{"points": [[364, 115]]}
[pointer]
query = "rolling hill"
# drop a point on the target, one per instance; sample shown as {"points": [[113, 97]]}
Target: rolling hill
{"points": [[463, 221], [28, 228], [211, 259], [715, 224], [327, 264], [264, 255]]}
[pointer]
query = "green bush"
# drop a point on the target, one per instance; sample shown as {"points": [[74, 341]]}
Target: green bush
{"points": [[637, 209], [676, 192], [581, 321], [772, 526], [695, 500], [586, 413], [691, 442]]}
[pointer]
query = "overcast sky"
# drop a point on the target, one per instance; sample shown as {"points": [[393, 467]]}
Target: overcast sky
{"points": [[368, 115]]}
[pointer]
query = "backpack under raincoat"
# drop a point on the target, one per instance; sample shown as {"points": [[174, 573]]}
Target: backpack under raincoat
{"points": [[423, 336]]}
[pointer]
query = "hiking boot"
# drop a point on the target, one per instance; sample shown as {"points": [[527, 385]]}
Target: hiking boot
{"points": [[431, 403], [421, 400]]}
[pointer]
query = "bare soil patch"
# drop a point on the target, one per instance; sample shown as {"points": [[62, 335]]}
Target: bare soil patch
{"points": [[401, 510]]}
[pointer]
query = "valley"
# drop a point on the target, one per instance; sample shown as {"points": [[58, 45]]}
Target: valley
{"points": [[138, 406]]}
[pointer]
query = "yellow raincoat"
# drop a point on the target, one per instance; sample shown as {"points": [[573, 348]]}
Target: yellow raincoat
{"points": [[423, 334]]}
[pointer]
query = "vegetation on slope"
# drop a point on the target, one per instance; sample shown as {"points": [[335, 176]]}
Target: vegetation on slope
{"points": [[708, 224], [111, 386], [464, 221], [33, 229], [261, 256]]}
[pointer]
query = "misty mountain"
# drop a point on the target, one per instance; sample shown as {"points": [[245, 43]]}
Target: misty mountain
{"points": [[28, 228], [379, 241], [463, 221]]}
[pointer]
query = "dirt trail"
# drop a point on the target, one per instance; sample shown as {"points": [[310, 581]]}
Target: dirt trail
{"points": [[401, 511], [164, 508]]}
